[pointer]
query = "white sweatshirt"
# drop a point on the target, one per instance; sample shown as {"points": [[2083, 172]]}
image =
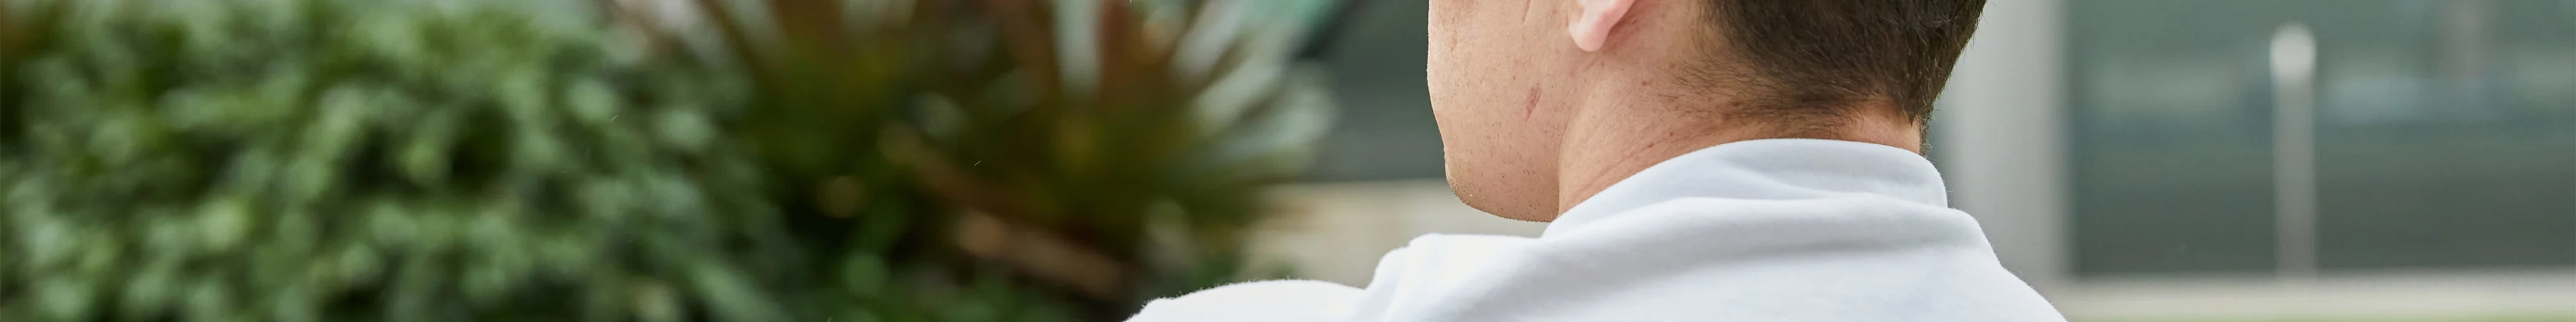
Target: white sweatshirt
{"points": [[1765, 230]]}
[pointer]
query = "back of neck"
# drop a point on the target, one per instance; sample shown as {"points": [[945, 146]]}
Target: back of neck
{"points": [[1614, 136]]}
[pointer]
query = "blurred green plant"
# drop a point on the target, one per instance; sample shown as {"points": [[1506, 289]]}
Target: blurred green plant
{"points": [[860, 160], [1097, 152], [327, 160]]}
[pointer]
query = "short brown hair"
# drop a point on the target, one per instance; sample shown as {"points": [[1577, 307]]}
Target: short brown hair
{"points": [[1809, 58]]}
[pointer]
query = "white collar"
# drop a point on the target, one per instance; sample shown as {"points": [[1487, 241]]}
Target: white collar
{"points": [[1772, 169]]}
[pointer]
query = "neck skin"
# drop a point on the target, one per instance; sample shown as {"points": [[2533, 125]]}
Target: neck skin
{"points": [[1626, 122]]}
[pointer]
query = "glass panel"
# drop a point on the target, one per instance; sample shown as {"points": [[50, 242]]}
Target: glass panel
{"points": [[2445, 137], [2172, 136], [2446, 133], [1385, 129]]}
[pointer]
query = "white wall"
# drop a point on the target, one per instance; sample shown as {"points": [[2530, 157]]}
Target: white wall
{"points": [[1998, 138]]}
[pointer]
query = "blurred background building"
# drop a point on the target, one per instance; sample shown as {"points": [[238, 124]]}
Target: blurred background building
{"points": [[2165, 160]]}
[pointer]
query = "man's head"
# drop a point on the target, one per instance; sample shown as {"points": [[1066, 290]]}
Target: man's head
{"points": [[1511, 80]]}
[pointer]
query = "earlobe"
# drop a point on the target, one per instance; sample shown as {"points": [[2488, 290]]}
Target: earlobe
{"points": [[1591, 28]]}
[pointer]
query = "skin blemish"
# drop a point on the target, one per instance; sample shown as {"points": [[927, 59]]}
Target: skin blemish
{"points": [[1530, 107]]}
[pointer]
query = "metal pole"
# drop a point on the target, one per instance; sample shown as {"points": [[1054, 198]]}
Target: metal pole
{"points": [[2294, 150]]}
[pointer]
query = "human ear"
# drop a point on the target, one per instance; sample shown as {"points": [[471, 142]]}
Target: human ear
{"points": [[1591, 29]]}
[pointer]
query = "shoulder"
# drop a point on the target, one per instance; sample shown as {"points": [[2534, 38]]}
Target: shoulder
{"points": [[1280, 301]]}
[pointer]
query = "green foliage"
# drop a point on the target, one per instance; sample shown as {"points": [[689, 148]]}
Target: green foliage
{"points": [[1125, 138], [321, 160], [441, 160]]}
